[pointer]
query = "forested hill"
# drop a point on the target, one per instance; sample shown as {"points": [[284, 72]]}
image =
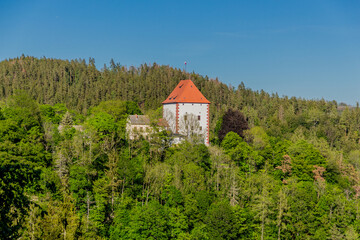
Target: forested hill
{"points": [[80, 85], [277, 168]]}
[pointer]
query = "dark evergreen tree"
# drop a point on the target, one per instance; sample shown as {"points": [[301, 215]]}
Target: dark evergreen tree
{"points": [[233, 121]]}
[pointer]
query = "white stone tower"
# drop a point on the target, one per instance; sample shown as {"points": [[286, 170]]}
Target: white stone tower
{"points": [[187, 111]]}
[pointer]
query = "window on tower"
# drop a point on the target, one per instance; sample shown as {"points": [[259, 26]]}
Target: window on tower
{"points": [[199, 117]]}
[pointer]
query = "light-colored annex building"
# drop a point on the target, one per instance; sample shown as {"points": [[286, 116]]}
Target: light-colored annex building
{"points": [[138, 125], [187, 111]]}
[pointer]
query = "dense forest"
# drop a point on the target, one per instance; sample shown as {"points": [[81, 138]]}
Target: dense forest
{"points": [[290, 172]]}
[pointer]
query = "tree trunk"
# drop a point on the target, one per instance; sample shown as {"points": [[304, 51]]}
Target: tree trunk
{"points": [[147, 195], [88, 208], [143, 194], [123, 186], [279, 233]]}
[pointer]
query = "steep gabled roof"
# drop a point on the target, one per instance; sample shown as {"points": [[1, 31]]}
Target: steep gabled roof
{"points": [[186, 92]]}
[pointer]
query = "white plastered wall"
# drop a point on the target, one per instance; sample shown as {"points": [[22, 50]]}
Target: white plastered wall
{"points": [[134, 131], [169, 113], [198, 109]]}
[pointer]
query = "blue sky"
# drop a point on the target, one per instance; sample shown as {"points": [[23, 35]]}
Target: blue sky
{"points": [[308, 49]]}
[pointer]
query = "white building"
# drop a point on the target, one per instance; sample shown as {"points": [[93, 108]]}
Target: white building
{"points": [[187, 111], [138, 125]]}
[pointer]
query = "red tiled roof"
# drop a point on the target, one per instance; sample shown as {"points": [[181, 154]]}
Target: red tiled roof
{"points": [[186, 92]]}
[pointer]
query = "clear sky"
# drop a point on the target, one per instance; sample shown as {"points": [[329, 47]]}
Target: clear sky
{"points": [[305, 48]]}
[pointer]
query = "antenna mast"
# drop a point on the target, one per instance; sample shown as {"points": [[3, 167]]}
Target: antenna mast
{"points": [[185, 63]]}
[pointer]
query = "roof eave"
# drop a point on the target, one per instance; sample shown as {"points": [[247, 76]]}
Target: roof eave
{"points": [[165, 102]]}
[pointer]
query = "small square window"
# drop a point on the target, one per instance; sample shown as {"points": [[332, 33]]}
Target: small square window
{"points": [[199, 117]]}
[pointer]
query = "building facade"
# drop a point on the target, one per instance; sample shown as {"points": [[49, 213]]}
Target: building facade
{"points": [[187, 111], [138, 125]]}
